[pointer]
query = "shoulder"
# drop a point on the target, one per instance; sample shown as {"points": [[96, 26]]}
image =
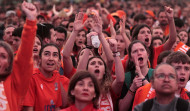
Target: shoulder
{"points": [[139, 107]]}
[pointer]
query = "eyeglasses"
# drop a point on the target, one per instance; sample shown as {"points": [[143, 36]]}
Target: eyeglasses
{"points": [[163, 76]]}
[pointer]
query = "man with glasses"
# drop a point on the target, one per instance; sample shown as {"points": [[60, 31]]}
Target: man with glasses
{"points": [[165, 82]]}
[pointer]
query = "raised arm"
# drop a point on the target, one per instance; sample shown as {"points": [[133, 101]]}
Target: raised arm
{"points": [[172, 36], [123, 33], [23, 62], [67, 61], [97, 27], [84, 59], [119, 71]]}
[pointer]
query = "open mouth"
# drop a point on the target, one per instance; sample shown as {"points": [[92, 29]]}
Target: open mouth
{"points": [[50, 64], [97, 71], [147, 40], [182, 79], [80, 42], [35, 50], [140, 59]]}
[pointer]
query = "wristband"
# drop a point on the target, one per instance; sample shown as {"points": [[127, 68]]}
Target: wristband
{"points": [[89, 47], [143, 79], [116, 54]]}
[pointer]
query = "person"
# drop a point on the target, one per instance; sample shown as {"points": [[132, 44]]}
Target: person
{"points": [[143, 33], [47, 86], [83, 92], [157, 32], [36, 49], [156, 42], [7, 34], [184, 37], [16, 36], [165, 83], [110, 90], [181, 62], [150, 18], [15, 73], [138, 73]]}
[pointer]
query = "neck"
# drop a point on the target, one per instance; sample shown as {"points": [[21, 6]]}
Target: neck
{"points": [[122, 54], [81, 104], [47, 74], [166, 99], [178, 91], [144, 70], [163, 27]]}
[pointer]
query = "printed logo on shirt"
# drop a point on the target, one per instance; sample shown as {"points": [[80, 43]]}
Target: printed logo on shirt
{"points": [[3, 99], [105, 104], [50, 107]]}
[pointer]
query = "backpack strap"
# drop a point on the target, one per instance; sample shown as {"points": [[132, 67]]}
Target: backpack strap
{"points": [[147, 105], [182, 105]]}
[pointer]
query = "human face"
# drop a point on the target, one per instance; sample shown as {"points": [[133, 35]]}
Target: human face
{"points": [[120, 43], [16, 42], [53, 36], [84, 90], [80, 39], [96, 66], [36, 47], [175, 44], [60, 39], [183, 71], [4, 58], [157, 43], [139, 53], [145, 36], [157, 33], [163, 19], [183, 36], [149, 20], [165, 80], [49, 59], [8, 35], [70, 27], [82, 52]]}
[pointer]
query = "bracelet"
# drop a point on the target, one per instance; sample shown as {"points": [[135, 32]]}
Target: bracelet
{"points": [[143, 79], [131, 91], [89, 47], [116, 54]]}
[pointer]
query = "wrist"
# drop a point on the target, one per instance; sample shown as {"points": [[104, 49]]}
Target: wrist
{"points": [[143, 79], [116, 54]]}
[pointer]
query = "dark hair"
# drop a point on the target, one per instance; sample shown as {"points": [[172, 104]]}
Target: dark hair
{"points": [[161, 10], [61, 29], [137, 30], [9, 50], [79, 76], [72, 19], [50, 44], [40, 39], [178, 57], [130, 64], [178, 22], [17, 32], [139, 17], [188, 40], [107, 80], [155, 38], [162, 56], [43, 31]]}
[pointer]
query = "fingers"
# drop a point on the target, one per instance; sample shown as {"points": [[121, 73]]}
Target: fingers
{"points": [[91, 34]]}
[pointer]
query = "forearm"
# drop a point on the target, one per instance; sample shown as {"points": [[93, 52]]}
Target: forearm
{"points": [[83, 61], [69, 44], [126, 39], [126, 102], [106, 49]]}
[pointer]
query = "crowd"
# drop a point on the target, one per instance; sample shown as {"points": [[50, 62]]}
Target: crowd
{"points": [[105, 55]]}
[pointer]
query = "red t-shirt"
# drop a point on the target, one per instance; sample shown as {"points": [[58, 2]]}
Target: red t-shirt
{"points": [[89, 107], [44, 94], [157, 51]]}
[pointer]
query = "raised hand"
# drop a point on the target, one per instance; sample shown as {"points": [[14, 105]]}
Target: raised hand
{"points": [[169, 12], [112, 30], [137, 67], [137, 82], [122, 25], [78, 25], [97, 24], [30, 10], [113, 44]]}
